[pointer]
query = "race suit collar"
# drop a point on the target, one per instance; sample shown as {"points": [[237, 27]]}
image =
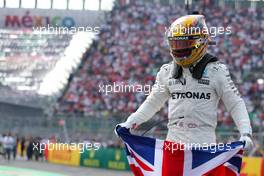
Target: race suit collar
{"points": [[197, 70], [186, 71]]}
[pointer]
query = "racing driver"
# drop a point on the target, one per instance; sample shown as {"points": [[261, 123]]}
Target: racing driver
{"points": [[193, 83]]}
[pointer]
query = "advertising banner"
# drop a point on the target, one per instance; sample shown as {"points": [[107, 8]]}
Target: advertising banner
{"points": [[117, 159], [63, 154], [105, 158], [252, 166], [94, 158], [29, 18]]}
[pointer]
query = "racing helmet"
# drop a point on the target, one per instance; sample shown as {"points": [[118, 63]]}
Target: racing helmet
{"points": [[188, 39]]}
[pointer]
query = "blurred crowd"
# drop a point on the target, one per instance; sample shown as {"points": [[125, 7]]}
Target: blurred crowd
{"points": [[131, 48], [14, 147]]}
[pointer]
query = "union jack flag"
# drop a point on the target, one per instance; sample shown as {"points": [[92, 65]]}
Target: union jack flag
{"points": [[153, 157]]}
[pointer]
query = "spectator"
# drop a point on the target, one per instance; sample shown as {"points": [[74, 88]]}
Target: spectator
{"points": [[8, 144], [22, 146], [30, 148], [16, 140]]}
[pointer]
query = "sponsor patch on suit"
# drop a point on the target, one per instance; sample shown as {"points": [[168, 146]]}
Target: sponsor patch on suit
{"points": [[204, 81]]}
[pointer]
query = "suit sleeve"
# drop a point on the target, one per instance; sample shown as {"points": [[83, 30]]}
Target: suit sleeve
{"points": [[231, 97], [153, 103]]}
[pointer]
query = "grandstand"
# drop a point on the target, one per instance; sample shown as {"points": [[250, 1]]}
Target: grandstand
{"points": [[31, 55], [124, 55], [27, 58]]}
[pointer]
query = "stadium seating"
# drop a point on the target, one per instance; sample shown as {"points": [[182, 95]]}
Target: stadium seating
{"points": [[26, 56], [131, 48]]}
